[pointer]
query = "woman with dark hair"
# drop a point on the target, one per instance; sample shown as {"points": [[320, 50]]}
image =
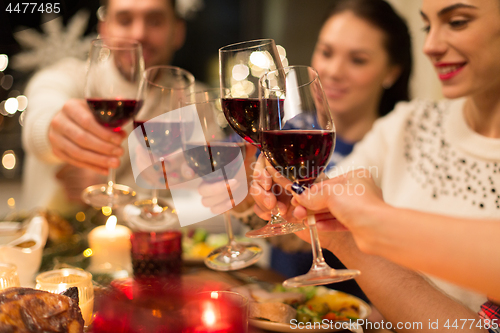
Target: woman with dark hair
{"points": [[363, 57]]}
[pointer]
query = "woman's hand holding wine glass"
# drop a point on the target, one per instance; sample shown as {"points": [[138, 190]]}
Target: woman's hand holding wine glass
{"points": [[297, 139]]}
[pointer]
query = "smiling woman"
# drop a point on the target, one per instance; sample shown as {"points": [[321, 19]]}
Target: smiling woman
{"points": [[435, 157]]}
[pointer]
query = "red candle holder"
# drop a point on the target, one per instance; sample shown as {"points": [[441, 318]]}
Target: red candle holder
{"points": [[217, 312], [156, 254]]}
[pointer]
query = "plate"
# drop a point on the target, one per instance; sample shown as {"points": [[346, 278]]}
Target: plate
{"points": [[364, 312]]}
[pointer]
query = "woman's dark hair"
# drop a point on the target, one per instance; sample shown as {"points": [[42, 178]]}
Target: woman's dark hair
{"points": [[398, 42]]}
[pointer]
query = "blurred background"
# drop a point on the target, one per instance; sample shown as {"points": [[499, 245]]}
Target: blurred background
{"points": [[28, 44]]}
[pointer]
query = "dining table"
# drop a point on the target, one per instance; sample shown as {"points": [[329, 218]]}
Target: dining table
{"points": [[199, 273]]}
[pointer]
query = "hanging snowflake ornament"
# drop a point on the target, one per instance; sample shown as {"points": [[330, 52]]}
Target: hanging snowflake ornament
{"points": [[187, 9], [56, 43]]}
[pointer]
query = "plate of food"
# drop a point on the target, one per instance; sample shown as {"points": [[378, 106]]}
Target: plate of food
{"points": [[304, 309], [198, 243]]}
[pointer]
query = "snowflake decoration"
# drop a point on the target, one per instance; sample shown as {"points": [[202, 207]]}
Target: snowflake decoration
{"points": [[188, 8], [55, 44]]}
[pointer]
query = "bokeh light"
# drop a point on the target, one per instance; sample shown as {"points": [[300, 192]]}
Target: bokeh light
{"points": [[7, 81], [106, 210], [9, 160], [240, 72], [11, 202], [80, 216], [22, 102], [4, 62], [11, 105]]}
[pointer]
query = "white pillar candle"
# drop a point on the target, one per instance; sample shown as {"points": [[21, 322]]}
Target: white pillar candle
{"points": [[110, 245]]}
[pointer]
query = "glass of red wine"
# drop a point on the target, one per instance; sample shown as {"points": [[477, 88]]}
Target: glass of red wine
{"points": [[298, 138], [163, 89], [241, 65], [216, 155], [111, 90]]}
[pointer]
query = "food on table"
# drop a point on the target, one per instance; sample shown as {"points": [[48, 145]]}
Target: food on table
{"points": [[336, 306], [289, 297], [60, 230], [30, 310], [309, 304], [272, 311]]}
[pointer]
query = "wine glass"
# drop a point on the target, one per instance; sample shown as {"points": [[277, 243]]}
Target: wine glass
{"points": [[111, 89], [216, 155], [241, 66], [163, 89], [298, 138]]}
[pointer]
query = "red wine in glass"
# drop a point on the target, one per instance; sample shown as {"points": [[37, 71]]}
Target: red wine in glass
{"points": [[221, 155], [300, 155], [162, 137], [243, 115], [113, 113]]}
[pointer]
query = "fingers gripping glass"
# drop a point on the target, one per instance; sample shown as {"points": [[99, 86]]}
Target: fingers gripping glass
{"points": [[241, 66], [163, 89], [111, 89], [217, 156], [298, 138]]}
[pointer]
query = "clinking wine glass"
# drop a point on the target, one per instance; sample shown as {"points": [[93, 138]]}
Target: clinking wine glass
{"points": [[163, 89], [216, 154], [241, 66], [111, 90], [298, 138]]}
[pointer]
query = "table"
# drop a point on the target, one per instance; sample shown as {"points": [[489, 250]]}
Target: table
{"points": [[225, 280]]}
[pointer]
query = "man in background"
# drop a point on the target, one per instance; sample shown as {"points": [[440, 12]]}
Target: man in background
{"points": [[66, 149]]}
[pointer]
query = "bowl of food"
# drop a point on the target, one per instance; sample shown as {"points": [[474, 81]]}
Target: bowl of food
{"points": [[24, 247]]}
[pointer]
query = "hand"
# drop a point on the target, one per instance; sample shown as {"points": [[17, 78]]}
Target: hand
{"points": [[265, 180], [353, 200], [78, 139], [74, 180], [215, 195]]}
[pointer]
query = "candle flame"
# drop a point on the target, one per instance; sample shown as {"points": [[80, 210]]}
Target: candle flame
{"points": [[111, 223], [208, 315]]}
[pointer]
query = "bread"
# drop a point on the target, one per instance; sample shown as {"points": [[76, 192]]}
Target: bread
{"points": [[273, 311], [26, 310]]}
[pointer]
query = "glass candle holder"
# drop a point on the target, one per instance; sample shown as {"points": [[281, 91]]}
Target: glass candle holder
{"points": [[156, 254], [59, 280], [8, 276], [217, 312]]}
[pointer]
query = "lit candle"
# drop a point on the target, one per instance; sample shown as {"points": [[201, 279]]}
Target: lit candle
{"points": [[110, 247], [211, 316]]}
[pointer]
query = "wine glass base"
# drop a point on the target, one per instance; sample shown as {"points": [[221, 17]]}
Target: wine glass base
{"points": [[98, 195], [145, 215], [272, 229], [230, 258], [320, 277]]}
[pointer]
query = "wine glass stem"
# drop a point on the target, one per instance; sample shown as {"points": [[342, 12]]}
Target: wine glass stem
{"points": [[318, 259], [229, 228], [111, 181], [275, 215], [154, 196]]}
